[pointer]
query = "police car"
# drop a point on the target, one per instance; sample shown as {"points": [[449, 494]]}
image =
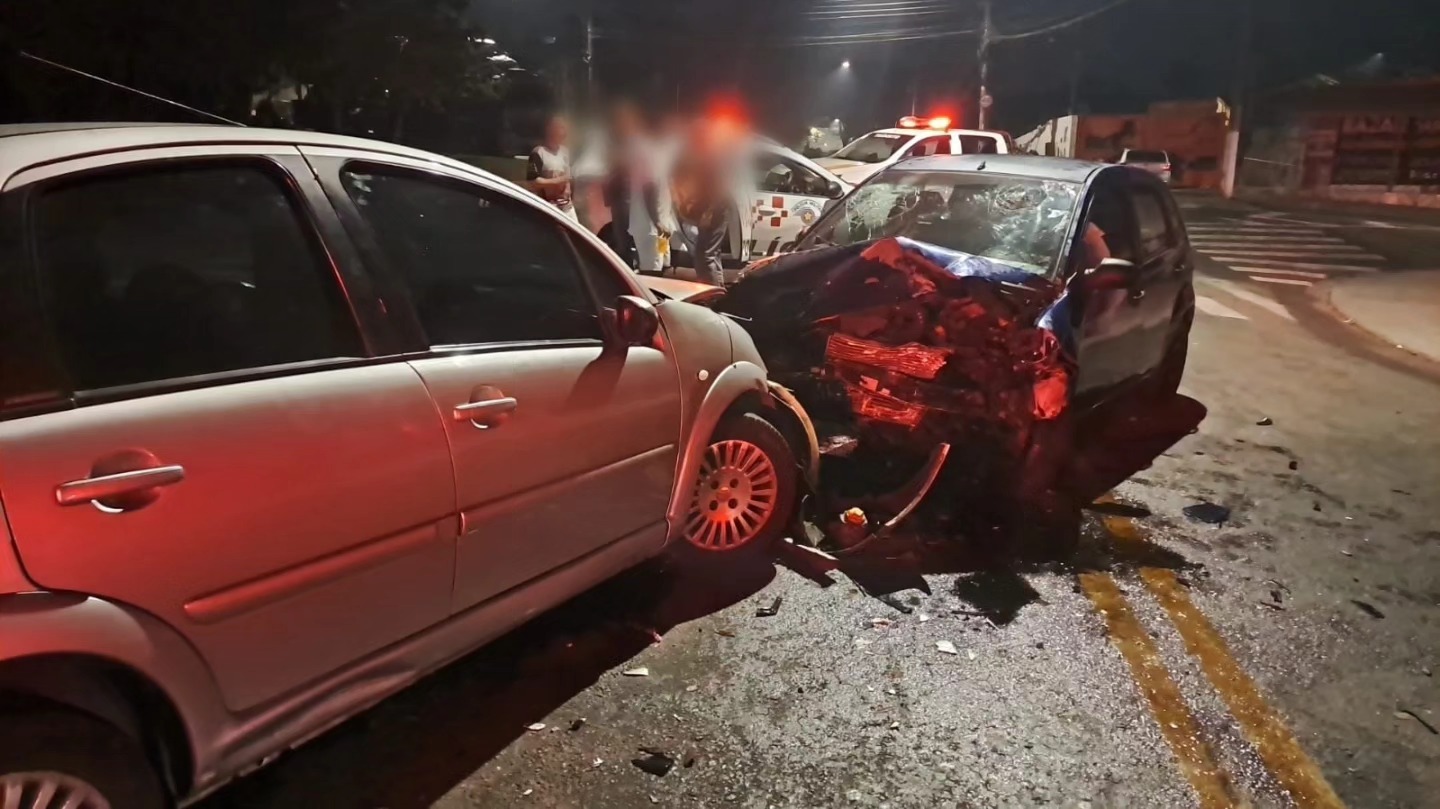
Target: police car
{"points": [[912, 137]]}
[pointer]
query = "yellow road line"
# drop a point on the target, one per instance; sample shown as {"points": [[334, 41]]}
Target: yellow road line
{"points": [[1177, 725], [1261, 724]]}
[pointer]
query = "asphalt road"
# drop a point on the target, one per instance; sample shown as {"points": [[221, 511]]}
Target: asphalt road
{"points": [[1282, 658]]}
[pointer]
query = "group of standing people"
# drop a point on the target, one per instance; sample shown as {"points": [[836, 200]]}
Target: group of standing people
{"points": [[664, 182]]}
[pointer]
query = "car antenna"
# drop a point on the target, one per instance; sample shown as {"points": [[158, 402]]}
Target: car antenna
{"points": [[42, 60]]}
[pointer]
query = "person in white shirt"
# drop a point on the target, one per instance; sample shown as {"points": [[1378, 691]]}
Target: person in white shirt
{"points": [[548, 171]]}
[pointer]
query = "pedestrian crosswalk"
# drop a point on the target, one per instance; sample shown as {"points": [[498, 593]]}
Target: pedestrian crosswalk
{"points": [[1271, 249]]}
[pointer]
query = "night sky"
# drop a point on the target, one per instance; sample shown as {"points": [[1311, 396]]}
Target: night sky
{"points": [[782, 57]]}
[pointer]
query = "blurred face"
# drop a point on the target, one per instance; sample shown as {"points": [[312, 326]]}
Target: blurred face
{"points": [[557, 131], [626, 121]]}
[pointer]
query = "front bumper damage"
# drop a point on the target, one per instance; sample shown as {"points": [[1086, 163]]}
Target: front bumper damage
{"points": [[909, 358]]}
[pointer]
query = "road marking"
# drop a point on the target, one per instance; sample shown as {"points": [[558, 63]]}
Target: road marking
{"points": [[1235, 290], [1265, 279], [1167, 704], [1277, 239], [1273, 252], [1261, 724], [1277, 271], [1299, 265], [1210, 306]]}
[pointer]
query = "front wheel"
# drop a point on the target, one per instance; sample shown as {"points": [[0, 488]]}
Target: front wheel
{"points": [[51, 759], [745, 491]]}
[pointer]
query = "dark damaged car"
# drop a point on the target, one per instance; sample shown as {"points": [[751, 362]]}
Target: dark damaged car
{"points": [[989, 339]]}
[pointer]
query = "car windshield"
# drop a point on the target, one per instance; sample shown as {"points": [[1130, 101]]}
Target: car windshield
{"points": [[876, 147], [1137, 156], [1019, 222]]}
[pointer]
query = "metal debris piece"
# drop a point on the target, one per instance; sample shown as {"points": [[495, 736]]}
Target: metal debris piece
{"points": [[923, 617], [1406, 713], [971, 654], [690, 689], [597, 762], [640, 671], [894, 725], [1265, 422], [1367, 608], [654, 762], [838, 446], [1274, 605], [1346, 552], [527, 793], [577, 724], [536, 727], [880, 623], [1208, 513], [770, 611], [946, 647]]}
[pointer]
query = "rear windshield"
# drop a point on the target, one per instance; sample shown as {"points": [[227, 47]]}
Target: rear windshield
{"points": [[1140, 156], [876, 147]]}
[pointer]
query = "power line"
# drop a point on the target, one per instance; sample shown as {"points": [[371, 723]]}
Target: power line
{"points": [[1076, 20], [42, 60]]}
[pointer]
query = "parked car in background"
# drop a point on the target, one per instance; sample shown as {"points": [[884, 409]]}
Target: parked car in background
{"points": [[289, 419], [1155, 161]]}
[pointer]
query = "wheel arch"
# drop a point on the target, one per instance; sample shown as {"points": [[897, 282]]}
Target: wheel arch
{"points": [[113, 692], [121, 665]]}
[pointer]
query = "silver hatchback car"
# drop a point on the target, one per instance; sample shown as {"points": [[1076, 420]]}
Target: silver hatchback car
{"points": [[288, 420]]}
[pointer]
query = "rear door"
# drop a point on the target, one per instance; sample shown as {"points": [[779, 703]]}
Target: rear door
{"points": [[788, 198], [218, 446], [562, 443]]}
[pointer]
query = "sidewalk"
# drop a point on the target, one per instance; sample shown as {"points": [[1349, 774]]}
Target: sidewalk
{"points": [[1401, 308]]}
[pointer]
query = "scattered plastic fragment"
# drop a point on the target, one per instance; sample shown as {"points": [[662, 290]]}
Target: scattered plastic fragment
{"points": [[1209, 513], [536, 726], [654, 762], [577, 724], [1367, 608], [1265, 422], [770, 611], [641, 671], [946, 647]]}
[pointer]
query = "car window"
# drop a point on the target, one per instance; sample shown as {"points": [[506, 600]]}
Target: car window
{"points": [[776, 175], [602, 274], [480, 267], [930, 146], [978, 144], [1110, 213], [876, 147], [1150, 220], [166, 272], [1141, 156]]}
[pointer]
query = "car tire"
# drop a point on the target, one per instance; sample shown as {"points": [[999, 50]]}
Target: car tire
{"points": [[77, 756], [745, 489]]}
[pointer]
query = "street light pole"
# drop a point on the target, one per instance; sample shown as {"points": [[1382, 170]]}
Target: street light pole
{"points": [[589, 58], [984, 57]]}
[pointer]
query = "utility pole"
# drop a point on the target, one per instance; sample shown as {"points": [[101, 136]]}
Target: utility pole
{"points": [[984, 56], [1238, 99], [589, 58]]}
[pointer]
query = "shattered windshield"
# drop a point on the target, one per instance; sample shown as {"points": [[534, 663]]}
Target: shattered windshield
{"points": [[1020, 222], [877, 147]]}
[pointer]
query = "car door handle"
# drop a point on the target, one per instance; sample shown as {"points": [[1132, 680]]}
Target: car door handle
{"points": [[486, 409], [1137, 295], [104, 487]]}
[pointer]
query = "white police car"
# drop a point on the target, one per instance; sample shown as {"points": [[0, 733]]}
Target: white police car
{"points": [[912, 137]]}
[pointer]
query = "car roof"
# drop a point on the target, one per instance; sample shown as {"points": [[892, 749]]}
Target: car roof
{"points": [[1018, 165], [919, 130], [24, 146]]}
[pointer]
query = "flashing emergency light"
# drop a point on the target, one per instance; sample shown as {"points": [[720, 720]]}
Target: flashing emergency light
{"points": [[938, 122]]}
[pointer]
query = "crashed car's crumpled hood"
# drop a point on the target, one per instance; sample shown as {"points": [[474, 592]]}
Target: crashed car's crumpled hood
{"points": [[911, 343]]}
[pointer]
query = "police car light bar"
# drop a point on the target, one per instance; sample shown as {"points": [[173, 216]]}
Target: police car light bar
{"points": [[912, 122]]}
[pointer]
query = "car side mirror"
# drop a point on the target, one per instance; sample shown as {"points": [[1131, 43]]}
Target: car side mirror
{"points": [[636, 321], [834, 190], [1113, 273]]}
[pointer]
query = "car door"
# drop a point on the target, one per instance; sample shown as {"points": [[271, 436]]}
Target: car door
{"points": [[1110, 331], [788, 198], [563, 443], [222, 452], [1164, 267]]}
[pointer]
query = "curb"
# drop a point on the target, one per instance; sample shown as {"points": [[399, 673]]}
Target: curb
{"points": [[1319, 295]]}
